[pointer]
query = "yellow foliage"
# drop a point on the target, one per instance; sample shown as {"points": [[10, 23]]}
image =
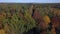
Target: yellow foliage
{"points": [[46, 19], [2, 31]]}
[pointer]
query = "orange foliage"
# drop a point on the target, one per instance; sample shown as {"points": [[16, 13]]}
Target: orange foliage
{"points": [[46, 19], [2, 31]]}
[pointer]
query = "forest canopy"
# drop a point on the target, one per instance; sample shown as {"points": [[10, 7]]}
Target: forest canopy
{"points": [[20, 18]]}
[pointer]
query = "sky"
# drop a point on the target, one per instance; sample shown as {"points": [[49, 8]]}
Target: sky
{"points": [[29, 1]]}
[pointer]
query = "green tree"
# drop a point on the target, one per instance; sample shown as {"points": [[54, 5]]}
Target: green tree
{"points": [[19, 24]]}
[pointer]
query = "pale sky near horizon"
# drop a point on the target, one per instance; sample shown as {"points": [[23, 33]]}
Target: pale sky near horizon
{"points": [[29, 1]]}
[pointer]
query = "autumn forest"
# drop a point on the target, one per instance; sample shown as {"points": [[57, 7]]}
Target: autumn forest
{"points": [[29, 18]]}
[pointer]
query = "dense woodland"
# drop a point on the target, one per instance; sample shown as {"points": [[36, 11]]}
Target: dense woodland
{"points": [[29, 19]]}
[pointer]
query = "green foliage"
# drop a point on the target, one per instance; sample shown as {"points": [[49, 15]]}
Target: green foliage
{"points": [[19, 24], [29, 20], [42, 12]]}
